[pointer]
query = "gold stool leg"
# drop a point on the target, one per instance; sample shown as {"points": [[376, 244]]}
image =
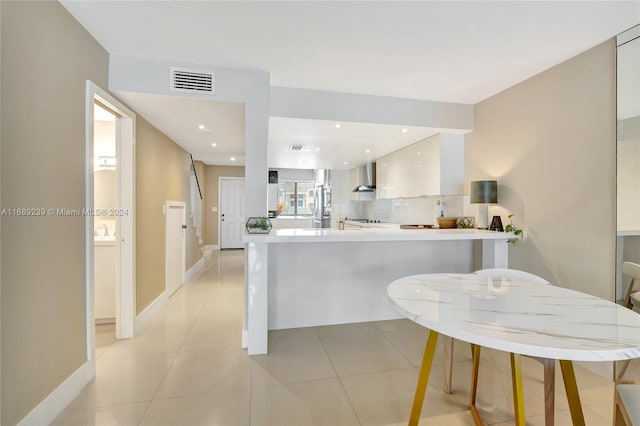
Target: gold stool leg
{"points": [[518, 397], [475, 350], [423, 378], [571, 387]]}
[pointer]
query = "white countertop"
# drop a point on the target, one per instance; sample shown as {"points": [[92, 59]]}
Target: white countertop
{"points": [[372, 234], [520, 317]]}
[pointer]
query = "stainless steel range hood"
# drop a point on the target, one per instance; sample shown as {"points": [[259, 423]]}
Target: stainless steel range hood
{"points": [[366, 178]]}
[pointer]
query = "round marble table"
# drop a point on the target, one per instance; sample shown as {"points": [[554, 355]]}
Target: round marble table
{"points": [[520, 317]]}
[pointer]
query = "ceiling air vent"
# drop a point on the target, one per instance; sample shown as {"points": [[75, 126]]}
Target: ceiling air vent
{"points": [[296, 147], [193, 81]]}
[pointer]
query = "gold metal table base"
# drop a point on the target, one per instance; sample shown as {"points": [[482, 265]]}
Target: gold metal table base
{"points": [[568, 376]]}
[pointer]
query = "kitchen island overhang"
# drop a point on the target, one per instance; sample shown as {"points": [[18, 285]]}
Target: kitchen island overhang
{"points": [[313, 277]]}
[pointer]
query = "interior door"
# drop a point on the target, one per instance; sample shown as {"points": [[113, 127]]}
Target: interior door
{"points": [[231, 213], [175, 212]]}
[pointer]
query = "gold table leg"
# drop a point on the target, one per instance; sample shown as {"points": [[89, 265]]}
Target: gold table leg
{"points": [[475, 350], [423, 378], [518, 397], [571, 387]]}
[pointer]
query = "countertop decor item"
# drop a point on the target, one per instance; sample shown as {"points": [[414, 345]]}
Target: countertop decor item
{"points": [[447, 222], [258, 225], [466, 222], [496, 224], [484, 192]]}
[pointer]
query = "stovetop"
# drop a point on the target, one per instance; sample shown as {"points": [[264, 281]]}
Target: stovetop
{"points": [[367, 220]]}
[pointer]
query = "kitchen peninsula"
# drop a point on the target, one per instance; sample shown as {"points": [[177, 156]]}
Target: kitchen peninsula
{"points": [[310, 277]]}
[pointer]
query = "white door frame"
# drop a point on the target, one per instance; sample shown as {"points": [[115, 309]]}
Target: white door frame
{"points": [[167, 205], [125, 228], [220, 179]]}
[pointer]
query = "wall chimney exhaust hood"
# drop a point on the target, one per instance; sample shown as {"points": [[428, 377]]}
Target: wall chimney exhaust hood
{"points": [[366, 178]]}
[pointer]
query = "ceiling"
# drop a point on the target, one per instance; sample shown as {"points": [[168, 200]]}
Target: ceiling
{"points": [[453, 51]]}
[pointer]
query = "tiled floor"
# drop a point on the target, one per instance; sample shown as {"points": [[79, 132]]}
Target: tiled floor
{"points": [[187, 368]]}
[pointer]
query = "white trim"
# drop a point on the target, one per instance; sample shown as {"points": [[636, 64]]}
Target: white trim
{"points": [[50, 407], [125, 292], [194, 270], [148, 312]]}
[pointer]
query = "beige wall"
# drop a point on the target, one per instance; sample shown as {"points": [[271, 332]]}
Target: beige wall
{"points": [[46, 58], [213, 173], [162, 173], [550, 141]]}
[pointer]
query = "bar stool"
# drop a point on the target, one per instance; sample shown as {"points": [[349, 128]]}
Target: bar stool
{"points": [[632, 298]]}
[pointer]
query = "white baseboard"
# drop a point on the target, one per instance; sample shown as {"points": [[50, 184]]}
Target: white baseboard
{"points": [[50, 407], [149, 311], [212, 247], [244, 344], [193, 271]]}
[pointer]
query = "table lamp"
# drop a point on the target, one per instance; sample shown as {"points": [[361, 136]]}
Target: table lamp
{"points": [[484, 192]]}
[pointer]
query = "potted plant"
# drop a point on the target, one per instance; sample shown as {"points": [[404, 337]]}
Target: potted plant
{"points": [[258, 225], [517, 232]]}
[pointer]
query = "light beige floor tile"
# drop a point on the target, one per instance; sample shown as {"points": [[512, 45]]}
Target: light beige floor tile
{"points": [[223, 408], [200, 372], [294, 335], [386, 397], [410, 339], [213, 335], [360, 348], [153, 340], [114, 415], [454, 419], [123, 380], [317, 402], [291, 361]]}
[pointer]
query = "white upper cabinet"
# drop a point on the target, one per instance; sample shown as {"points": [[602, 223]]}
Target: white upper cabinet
{"points": [[433, 166]]}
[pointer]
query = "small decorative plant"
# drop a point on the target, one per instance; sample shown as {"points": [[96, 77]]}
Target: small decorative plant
{"points": [[258, 225], [516, 231]]}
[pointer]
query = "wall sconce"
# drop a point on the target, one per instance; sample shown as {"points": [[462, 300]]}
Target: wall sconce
{"points": [[484, 192]]}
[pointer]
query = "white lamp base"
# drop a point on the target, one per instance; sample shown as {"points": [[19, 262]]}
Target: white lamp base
{"points": [[483, 216]]}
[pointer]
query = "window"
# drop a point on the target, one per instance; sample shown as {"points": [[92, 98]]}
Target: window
{"points": [[295, 198]]}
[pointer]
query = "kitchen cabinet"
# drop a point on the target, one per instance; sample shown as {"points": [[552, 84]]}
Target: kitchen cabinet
{"points": [[433, 166]]}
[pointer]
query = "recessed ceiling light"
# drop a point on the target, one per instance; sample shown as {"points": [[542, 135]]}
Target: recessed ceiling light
{"points": [[418, 153], [317, 148], [368, 150], [232, 158], [405, 130], [345, 163], [384, 164], [201, 126], [214, 144], [337, 125]]}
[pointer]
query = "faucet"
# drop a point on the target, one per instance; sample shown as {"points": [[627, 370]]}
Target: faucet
{"points": [[106, 230]]}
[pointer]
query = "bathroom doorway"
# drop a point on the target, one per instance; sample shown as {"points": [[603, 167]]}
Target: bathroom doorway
{"points": [[109, 218]]}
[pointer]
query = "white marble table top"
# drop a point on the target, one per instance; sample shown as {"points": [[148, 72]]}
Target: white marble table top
{"points": [[520, 317]]}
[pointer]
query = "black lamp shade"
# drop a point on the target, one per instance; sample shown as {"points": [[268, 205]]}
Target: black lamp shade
{"points": [[484, 192]]}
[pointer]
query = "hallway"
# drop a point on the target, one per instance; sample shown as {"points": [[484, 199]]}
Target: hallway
{"points": [[187, 368]]}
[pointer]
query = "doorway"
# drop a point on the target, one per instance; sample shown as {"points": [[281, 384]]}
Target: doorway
{"points": [[175, 245], [109, 214], [232, 213]]}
